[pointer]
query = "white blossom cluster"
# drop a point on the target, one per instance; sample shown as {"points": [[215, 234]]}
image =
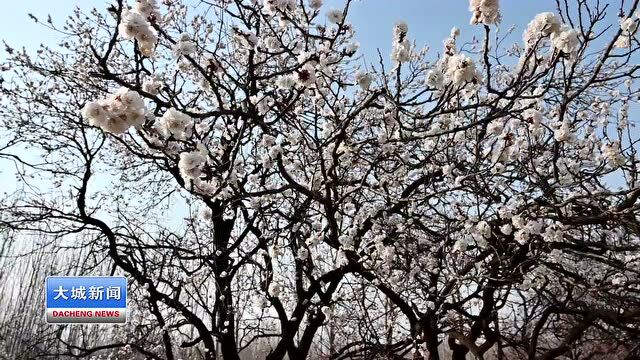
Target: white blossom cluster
{"points": [[117, 113], [274, 289], [152, 84], [147, 8], [315, 4], [175, 124], [563, 132], [245, 39], [454, 68], [184, 46], [519, 227], [135, 25], [612, 153], [628, 27], [461, 69], [485, 12], [566, 40], [401, 50], [542, 25], [286, 82], [271, 7], [563, 37], [335, 16], [363, 79], [191, 164], [305, 77]]}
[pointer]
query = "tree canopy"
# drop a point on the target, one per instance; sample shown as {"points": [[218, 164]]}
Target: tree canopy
{"points": [[272, 193]]}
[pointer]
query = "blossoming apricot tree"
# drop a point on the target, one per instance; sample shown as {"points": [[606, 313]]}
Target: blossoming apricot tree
{"points": [[261, 184]]}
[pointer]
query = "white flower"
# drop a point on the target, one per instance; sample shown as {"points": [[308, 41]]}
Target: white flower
{"points": [[612, 153], [289, 5], [542, 25], [346, 241], [521, 236], [564, 133], [534, 227], [484, 12], [623, 41], [553, 233], [285, 82], [263, 105], [274, 289], [152, 84], [274, 151], [261, 302], [401, 51], [400, 30], [495, 128], [341, 258], [134, 25], [245, 39], [618, 280], [533, 116], [314, 239], [176, 124], [270, 43], [628, 25], [461, 69], [566, 40], [351, 48], [435, 79], [117, 113], [270, 6], [306, 76], [190, 164], [483, 229], [335, 16], [364, 79], [506, 229], [268, 140], [275, 251], [184, 46], [518, 221], [95, 112], [315, 4], [147, 8], [327, 311]]}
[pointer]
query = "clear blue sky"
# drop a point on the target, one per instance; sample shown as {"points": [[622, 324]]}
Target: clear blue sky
{"points": [[429, 20]]}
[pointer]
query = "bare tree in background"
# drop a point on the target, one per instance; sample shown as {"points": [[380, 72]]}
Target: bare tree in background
{"points": [[270, 193]]}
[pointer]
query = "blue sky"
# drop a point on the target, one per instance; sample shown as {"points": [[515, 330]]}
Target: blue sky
{"points": [[429, 20]]}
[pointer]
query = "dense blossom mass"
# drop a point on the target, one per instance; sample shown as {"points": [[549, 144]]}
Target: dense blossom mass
{"points": [[117, 113], [485, 12], [273, 191], [629, 26], [135, 25]]}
